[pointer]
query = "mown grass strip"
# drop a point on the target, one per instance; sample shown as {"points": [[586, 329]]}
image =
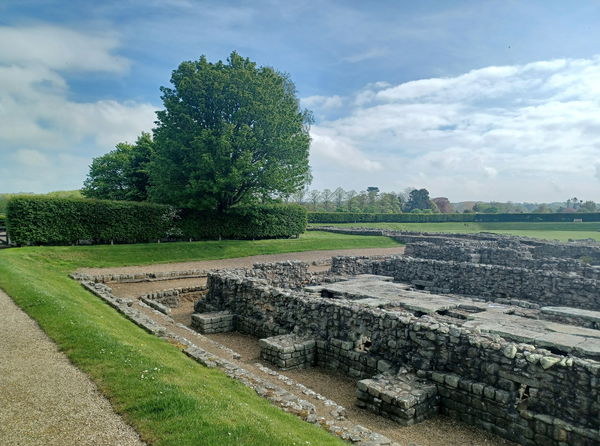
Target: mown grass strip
{"points": [[167, 397], [544, 230]]}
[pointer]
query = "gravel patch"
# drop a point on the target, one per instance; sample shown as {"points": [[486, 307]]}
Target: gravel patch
{"points": [[44, 399]]}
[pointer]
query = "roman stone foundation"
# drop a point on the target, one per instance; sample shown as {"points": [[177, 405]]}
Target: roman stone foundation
{"points": [[513, 350]]}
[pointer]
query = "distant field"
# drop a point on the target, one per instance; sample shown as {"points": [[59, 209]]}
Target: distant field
{"points": [[550, 231]]}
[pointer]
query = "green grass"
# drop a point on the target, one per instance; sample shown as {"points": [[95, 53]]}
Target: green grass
{"points": [[167, 397], [545, 230]]}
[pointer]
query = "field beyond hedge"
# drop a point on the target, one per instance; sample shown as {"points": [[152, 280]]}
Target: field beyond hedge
{"points": [[167, 397], [546, 230]]}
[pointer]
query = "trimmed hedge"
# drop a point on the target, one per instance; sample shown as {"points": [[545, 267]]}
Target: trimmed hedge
{"points": [[267, 221], [352, 217], [34, 220], [349, 217]]}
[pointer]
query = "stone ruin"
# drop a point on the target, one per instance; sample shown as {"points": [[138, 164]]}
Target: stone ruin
{"points": [[500, 332]]}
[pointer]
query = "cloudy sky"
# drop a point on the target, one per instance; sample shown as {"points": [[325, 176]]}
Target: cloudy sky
{"points": [[494, 100]]}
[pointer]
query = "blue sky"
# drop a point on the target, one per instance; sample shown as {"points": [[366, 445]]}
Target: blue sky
{"points": [[494, 100]]}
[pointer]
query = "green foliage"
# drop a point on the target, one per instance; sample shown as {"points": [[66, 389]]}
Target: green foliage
{"points": [[418, 199], [34, 220], [122, 173], [257, 222], [230, 133], [39, 220], [57, 194]]}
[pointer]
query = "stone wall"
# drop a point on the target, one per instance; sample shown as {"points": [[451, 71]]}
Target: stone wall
{"points": [[291, 274], [525, 394], [480, 280], [490, 253], [589, 250]]}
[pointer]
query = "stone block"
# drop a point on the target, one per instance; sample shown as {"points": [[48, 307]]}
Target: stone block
{"points": [[288, 351], [405, 398], [214, 322]]}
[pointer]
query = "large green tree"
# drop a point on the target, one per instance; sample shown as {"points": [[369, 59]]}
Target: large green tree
{"points": [[230, 133], [121, 174]]}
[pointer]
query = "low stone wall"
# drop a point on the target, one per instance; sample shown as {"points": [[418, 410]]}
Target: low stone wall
{"points": [[290, 274], [171, 297], [588, 250], [491, 253], [480, 280], [525, 394]]}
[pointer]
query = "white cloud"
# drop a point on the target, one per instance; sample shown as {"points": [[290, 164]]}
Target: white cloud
{"points": [[59, 48], [39, 124], [30, 158], [497, 133], [324, 103], [327, 149]]}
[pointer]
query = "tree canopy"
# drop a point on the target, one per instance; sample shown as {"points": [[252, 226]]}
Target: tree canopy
{"points": [[121, 173], [230, 133], [418, 199]]}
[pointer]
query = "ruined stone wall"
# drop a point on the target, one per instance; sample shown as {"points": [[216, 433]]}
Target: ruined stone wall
{"points": [[539, 248], [569, 251], [524, 394], [485, 281], [491, 253], [291, 274]]}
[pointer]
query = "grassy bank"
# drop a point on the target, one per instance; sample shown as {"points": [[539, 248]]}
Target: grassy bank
{"points": [[167, 397], [550, 231]]}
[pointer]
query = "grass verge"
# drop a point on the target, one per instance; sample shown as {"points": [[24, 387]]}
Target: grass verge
{"points": [[544, 230], [168, 398]]}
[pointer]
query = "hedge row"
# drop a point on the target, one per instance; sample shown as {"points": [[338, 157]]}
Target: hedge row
{"points": [[272, 221], [349, 217], [59, 221]]}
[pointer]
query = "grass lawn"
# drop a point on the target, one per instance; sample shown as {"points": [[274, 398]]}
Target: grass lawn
{"points": [[545, 230], [167, 397]]}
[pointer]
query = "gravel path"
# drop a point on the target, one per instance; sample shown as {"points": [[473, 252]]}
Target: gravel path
{"points": [[244, 262], [44, 399]]}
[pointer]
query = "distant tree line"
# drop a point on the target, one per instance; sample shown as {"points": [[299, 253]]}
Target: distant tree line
{"points": [[372, 200]]}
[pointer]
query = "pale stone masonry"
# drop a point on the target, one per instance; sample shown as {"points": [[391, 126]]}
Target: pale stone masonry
{"points": [[513, 350]]}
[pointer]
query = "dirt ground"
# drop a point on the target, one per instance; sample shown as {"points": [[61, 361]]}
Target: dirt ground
{"points": [[44, 399]]}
